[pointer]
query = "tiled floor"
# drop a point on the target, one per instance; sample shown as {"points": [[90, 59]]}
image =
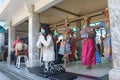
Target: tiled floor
{"points": [[21, 72], [2, 76], [98, 70]]}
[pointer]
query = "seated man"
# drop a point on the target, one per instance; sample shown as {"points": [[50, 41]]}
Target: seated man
{"points": [[12, 60]]}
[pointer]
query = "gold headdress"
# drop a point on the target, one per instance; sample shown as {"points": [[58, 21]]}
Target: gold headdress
{"points": [[67, 22], [87, 18], [105, 11]]}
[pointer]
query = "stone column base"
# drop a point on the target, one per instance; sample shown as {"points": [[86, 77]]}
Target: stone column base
{"points": [[114, 74], [33, 63]]}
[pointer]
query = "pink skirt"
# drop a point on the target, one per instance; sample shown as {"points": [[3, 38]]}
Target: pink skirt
{"points": [[88, 52]]}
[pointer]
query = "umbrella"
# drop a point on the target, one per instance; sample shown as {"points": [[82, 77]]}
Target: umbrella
{"points": [[2, 30]]}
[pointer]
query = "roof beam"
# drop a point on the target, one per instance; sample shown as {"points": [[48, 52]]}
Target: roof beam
{"points": [[81, 18], [63, 10]]}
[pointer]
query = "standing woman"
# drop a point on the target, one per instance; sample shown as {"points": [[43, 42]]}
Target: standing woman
{"points": [[88, 45], [107, 41], [46, 44]]}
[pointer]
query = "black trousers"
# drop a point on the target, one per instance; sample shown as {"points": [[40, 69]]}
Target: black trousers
{"points": [[12, 58], [5, 54]]}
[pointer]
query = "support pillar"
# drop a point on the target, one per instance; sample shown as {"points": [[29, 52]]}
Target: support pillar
{"points": [[33, 30], [11, 38], [114, 10]]}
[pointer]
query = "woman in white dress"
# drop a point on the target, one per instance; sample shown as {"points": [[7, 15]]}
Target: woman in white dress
{"points": [[46, 44]]}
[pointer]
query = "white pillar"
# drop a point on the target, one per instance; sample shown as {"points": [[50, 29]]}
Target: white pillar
{"points": [[114, 8], [2, 39], [11, 38], [33, 30]]}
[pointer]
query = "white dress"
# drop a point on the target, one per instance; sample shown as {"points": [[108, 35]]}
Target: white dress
{"points": [[47, 50]]}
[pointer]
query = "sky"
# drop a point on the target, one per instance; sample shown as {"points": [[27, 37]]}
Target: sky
{"points": [[1, 1]]}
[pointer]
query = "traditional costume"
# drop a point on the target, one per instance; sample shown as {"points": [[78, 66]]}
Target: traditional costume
{"points": [[107, 41], [88, 46]]}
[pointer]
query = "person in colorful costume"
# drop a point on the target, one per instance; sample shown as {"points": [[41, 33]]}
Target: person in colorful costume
{"points": [[65, 47], [56, 35], [107, 41], [88, 45], [98, 59], [73, 45]]}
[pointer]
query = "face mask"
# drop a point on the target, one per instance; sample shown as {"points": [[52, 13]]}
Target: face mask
{"points": [[56, 33], [42, 31]]}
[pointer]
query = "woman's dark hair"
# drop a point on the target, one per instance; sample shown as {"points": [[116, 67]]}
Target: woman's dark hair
{"points": [[47, 29]]}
